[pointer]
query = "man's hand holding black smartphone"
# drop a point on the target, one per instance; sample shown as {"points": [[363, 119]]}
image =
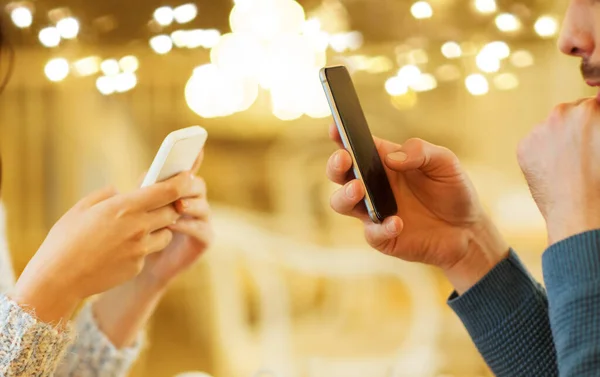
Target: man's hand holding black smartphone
{"points": [[440, 220]]}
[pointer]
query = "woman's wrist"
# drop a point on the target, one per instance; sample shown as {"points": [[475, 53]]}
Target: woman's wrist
{"points": [[49, 300]]}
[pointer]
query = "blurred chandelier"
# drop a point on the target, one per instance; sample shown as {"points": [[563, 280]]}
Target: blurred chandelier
{"points": [[272, 47]]}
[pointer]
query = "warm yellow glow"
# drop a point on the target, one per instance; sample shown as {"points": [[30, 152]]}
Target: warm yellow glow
{"points": [[211, 38], [468, 48], [486, 6], [267, 19], [418, 56], [487, 62], [106, 85], [110, 67], [421, 10], [238, 55], [311, 26], [49, 37], [125, 82], [21, 17], [57, 69], [546, 26], [346, 41], [424, 83], [164, 16], [477, 84], [293, 53], [448, 72], [507, 22], [498, 49], [161, 44], [405, 101], [87, 66], [506, 81], [185, 13], [409, 74], [249, 93], [180, 38], [522, 59], [68, 27], [378, 64], [395, 86], [210, 93], [451, 50], [129, 64]]}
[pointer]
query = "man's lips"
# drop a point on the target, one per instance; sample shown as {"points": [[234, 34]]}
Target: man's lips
{"points": [[594, 83]]}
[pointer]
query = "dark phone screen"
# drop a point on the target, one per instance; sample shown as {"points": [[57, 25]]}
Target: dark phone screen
{"points": [[361, 141]]}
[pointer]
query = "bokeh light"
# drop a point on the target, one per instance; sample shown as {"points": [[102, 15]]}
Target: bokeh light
{"points": [[506, 81], [68, 27], [49, 37], [487, 62], [129, 64], [267, 20], [507, 22], [21, 17], [395, 86], [110, 67], [125, 82], [409, 74], [238, 55], [106, 85], [87, 66], [57, 69], [421, 10], [161, 44], [546, 26], [451, 50], [522, 59], [185, 13], [477, 84], [164, 16], [424, 83], [486, 6]]}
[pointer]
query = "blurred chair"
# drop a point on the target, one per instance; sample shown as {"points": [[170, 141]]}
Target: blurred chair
{"points": [[245, 244]]}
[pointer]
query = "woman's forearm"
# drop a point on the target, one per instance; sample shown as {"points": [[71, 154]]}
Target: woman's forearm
{"points": [[122, 312]]}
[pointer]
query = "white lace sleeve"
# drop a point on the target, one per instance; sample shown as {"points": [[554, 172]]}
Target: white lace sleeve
{"points": [[7, 276]]}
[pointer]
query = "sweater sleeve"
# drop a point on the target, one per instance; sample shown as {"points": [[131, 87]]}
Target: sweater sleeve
{"points": [[572, 277], [28, 347], [506, 315], [93, 355]]}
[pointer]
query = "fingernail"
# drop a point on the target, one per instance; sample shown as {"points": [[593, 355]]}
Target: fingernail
{"points": [[351, 190], [392, 227], [398, 156], [337, 160]]}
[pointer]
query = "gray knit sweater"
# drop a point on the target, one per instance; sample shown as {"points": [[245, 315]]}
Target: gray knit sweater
{"points": [[30, 348]]}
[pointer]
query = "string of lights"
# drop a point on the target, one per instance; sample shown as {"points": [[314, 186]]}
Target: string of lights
{"points": [[274, 47]]}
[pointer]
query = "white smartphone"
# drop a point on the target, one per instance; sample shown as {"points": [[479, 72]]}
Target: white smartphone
{"points": [[177, 154]]}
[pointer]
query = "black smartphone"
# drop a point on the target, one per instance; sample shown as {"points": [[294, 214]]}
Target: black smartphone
{"points": [[356, 136]]}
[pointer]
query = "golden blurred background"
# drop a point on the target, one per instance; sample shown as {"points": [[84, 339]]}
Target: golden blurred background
{"points": [[290, 289]]}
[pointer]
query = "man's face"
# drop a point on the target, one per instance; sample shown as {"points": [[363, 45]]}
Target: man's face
{"points": [[580, 37]]}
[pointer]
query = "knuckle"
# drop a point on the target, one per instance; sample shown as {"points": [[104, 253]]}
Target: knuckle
{"points": [[173, 189], [139, 232], [558, 112], [416, 145]]}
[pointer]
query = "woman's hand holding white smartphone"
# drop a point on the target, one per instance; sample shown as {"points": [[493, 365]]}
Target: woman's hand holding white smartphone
{"points": [[177, 154]]}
